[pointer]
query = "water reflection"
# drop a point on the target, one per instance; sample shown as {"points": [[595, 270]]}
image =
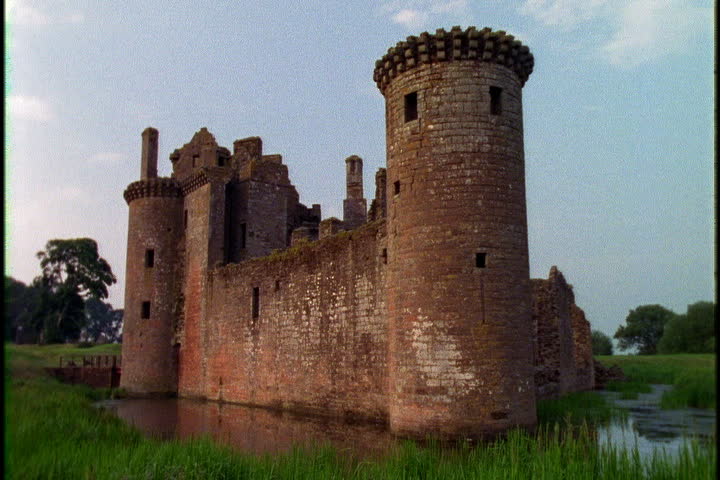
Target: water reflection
{"points": [[253, 430], [259, 431], [650, 428]]}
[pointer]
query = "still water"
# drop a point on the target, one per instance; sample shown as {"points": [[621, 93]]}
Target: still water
{"points": [[651, 428], [260, 431]]}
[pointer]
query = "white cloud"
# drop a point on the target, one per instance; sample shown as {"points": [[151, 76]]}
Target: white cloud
{"points": [[562, 13], [24, 12], [649, 29], [30, 108], [412, 19], [415, 14], [641, 30]]}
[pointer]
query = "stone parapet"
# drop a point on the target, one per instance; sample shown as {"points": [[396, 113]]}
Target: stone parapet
{"points": [[152, 187], [474, 45]]}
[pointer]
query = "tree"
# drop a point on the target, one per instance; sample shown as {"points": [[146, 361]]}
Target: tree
{"points": [[103, 323], [601, 343], [692, 332], [21, 301], [72, 272], [644, 328]]}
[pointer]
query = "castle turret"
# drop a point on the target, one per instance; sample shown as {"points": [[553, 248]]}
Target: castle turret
{"points": [[149, 155], [354, 205], [458, 301], [154, 231]]}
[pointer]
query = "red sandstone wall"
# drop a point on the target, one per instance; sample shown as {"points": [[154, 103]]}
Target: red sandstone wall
{"points": [[319, 342], [191, 371]]}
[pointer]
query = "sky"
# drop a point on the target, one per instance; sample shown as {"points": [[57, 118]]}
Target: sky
{"points": [[618, 119]]}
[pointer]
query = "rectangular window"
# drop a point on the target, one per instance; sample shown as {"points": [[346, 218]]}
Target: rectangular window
{"points": [[411, 107], [396, 187], [384, 255], [185, 219], [196, 159], [243, 234], [481, 260], [495, 100], [221, 161], [256, 302], [145, 310], [149, 258]]}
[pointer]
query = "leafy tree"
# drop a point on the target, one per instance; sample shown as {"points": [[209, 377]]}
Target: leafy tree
{"points": [[643, 328], [692, 332], [72, 272], [601, 343], [102, 322], [21, 301]]}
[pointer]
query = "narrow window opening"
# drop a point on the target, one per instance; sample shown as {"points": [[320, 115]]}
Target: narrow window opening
{"points": [[411, 107], [145, 310], [221, 161], [277, 285], [256, 302], [396, 187], [149, 258], [185, 219], [243, 234], [384, 255], [495, 100], [196, 158], [481, 260]]}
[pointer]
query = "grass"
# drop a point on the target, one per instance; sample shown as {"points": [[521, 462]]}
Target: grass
{"points": [[692, 377], [575, 409], [54, 432], [629, 390]]}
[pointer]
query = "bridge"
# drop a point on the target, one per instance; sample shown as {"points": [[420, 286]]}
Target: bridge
{"points": [[98, 371]]}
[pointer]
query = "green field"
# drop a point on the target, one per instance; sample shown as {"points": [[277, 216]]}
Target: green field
{"points": [[53, 431], [692, 375]]}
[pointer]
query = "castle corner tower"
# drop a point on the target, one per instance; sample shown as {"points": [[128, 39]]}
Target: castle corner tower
{"points": [[154, 232], [458, 295]]}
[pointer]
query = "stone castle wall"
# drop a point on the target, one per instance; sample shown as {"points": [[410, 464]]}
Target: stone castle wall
{"points": [[562, 344], [318, 341], [425, 318]]}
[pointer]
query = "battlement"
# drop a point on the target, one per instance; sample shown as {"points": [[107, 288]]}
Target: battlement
{"points": [[152, 187], [467, 45]]}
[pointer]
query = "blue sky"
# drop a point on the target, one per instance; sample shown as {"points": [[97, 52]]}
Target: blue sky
{"points": [[618, 118]]}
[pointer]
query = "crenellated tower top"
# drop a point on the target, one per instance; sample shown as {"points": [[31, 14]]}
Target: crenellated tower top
{"points": [[476, 45]]}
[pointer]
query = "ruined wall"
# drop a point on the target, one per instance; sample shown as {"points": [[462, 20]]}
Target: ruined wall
{"points": [[316, 340], [552, 302], [582, 339]]}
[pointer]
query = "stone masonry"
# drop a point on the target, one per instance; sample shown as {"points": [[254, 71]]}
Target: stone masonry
{"points": [[418, 313]]}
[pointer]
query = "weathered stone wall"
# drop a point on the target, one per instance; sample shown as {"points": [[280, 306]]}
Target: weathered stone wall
{"points": [[555, 367], [582, 339], [318, 343]]}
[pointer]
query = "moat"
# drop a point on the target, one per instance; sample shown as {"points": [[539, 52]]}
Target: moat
{"points": [[261, 431]]}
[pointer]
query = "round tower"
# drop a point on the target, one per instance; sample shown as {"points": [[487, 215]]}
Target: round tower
{"points": [[155, 227], [458, 297]]}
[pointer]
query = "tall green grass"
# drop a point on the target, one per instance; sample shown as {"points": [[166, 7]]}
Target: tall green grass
{"points": [[692, 376], [54, 432], [577, 408]]}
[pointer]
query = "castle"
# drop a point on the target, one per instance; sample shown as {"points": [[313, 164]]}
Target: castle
{"points": [[417, 312]]}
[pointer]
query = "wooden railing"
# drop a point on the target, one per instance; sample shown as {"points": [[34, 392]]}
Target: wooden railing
{"points": [[90, 361]]}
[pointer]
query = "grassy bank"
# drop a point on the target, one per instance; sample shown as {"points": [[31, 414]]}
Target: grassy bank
{"points": [[54, 432], [692, 375]]}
